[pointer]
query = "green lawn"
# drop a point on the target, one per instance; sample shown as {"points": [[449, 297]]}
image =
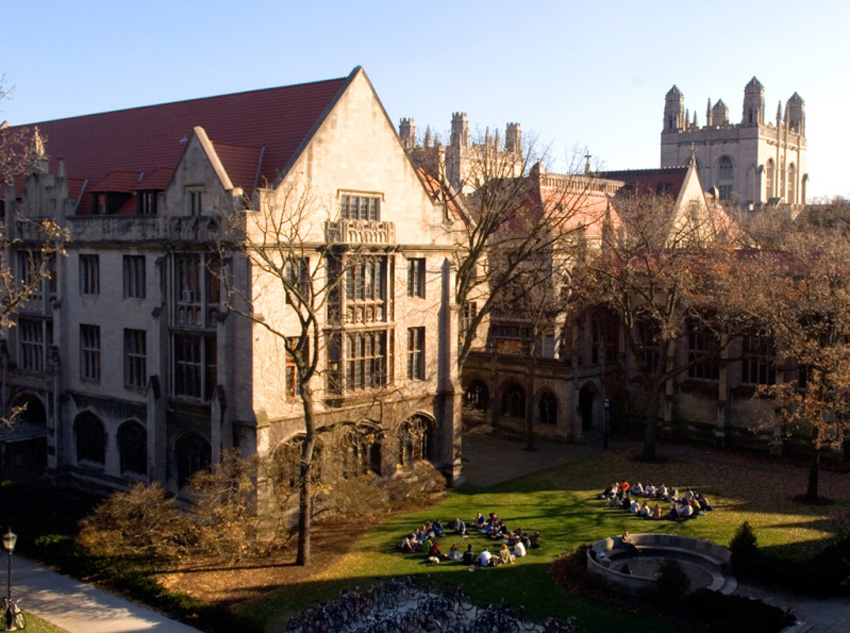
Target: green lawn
{"points": [[561, 503], [37, 625]]}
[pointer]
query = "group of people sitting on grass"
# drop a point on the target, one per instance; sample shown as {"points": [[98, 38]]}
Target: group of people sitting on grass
{"points": [[637, 498], [514, 544]]}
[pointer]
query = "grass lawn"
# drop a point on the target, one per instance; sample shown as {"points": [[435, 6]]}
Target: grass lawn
{"points": [[37, 625], [561, 504]]}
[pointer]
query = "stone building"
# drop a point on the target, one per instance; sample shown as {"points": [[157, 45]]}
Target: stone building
{"points": [[130, 362], [753, 163]]}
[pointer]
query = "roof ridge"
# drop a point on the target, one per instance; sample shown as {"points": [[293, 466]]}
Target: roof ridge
{"points": [[176, 101]]}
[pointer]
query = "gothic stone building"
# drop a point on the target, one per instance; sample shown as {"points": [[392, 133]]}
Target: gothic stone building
{"points": [[129, 361], [752, 163]]}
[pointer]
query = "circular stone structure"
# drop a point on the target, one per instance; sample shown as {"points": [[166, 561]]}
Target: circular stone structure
{"points": [[706, 564]]}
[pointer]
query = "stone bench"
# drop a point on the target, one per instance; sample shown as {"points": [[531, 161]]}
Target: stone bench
{"points": [[603, 553]]}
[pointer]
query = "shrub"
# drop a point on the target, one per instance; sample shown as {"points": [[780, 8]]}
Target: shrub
{"points": [[673, 583], [141, 522], [734, 614], [412, 488], [743, 546]]}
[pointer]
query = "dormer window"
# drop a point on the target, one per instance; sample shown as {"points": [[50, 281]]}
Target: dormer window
{"points": [[146, 202]]}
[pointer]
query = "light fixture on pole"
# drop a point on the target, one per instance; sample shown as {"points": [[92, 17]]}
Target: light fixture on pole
{"points": [[607, 404], [9, 540]]}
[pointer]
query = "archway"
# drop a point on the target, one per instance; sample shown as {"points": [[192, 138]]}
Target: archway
{"points": [[90, 439], [587, 398], [547, 408], [193, 453], [513, 401], [133, 448], [23, 446], [416, 441], [477, 395]]}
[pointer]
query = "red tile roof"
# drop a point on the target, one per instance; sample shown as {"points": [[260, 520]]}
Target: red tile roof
{"points": [[653, 181], [274, 121], [125, 181]]}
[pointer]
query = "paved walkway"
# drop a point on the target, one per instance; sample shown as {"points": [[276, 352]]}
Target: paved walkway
{"points": [[81, 608]]}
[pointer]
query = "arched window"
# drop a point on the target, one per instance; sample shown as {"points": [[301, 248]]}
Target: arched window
{"points": [[725, 177], [513, 401], [547, 406], [193, 454], [133, 448], [477, 395], [90, 438], [416, 441], [781, 193], [792, 181], [770, 174], [361, 451]]}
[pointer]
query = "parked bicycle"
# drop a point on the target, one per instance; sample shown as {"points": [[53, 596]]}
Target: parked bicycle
{"points": [[13, 618]]}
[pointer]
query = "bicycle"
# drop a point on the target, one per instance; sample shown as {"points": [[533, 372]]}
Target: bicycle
{"points": [[13, 617]]}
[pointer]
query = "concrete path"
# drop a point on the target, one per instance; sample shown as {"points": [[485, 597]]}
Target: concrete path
{"points": [[80, 608], [490, 458]]}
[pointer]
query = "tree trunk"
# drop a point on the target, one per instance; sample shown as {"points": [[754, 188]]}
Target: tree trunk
{"points": [[529, 400], [305, 500], [814, 475], [650, 437]]}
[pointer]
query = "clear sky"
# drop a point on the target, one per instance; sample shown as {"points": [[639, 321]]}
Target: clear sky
{"points": [[577, 74]]}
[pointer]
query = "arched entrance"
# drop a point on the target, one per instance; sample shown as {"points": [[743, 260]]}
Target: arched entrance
{"points": [[193, 453], [23, 445], [587, 399]]}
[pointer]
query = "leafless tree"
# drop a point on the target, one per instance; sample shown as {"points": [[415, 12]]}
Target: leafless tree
{"points": [[295, 282], [798, 291], [662, 273]]}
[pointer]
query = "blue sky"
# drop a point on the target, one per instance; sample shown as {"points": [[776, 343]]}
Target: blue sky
{"points": [[576, 74]]}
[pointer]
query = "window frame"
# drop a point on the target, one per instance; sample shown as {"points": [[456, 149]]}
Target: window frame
{"points": [[416, 353], [89, 274], [135, 277], [416, 277], [135, 358], [90, 348]]}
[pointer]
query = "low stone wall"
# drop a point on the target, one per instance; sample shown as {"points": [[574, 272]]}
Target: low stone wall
{"points": [[603, 554]]}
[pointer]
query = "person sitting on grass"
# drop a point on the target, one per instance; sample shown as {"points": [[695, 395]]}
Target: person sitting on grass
{"points": [[485, 557], [686, 511], [436, 552], [454, 552], [634, 506], [661, 492], [459, 526], [480, 521], [704, 505], [637, 489], [409, 544], [469, 557], [505, 556], [426, 545], [649, 491], [437, 528], [519, 548], [644, 511], [657, 512]]}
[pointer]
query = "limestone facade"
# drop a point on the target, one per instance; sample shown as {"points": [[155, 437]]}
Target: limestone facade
{"points": [[756, 162], [132, 365]]}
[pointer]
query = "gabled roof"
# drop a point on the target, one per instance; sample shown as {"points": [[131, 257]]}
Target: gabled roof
{"points": [[659, 180], [273, 124]]}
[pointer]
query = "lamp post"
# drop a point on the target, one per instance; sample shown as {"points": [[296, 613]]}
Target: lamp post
{"points": [[9, 540], [607, 404]]}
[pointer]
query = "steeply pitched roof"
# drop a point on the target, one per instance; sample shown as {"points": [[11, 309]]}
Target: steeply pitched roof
{"points": [[244, 127]]}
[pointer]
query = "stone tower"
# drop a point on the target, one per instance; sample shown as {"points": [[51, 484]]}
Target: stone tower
{"points": [[407, 133], [751, 164]]}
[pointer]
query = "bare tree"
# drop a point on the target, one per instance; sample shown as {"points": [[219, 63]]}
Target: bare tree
{"points": [[662, 273], [799, 293], [295, 280]]}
